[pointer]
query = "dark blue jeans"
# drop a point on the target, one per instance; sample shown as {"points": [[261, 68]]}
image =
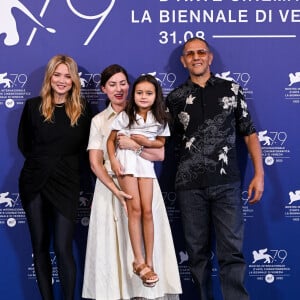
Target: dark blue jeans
{"points": [[219, 208]]}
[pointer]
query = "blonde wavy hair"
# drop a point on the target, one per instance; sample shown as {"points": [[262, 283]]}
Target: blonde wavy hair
{"points": [[73, 105]]}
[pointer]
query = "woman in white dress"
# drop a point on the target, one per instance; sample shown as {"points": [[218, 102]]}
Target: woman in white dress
{"points": [[108, 266]]}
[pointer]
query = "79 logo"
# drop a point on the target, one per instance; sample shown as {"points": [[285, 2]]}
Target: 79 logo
{"points": [[88, 80], [10, 25], [241, 78], [14, 80], [269, 257], [166, 80], [272, 138]]}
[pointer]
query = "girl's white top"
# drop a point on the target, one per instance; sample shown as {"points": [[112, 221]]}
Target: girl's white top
{"points": [[132, 163]]}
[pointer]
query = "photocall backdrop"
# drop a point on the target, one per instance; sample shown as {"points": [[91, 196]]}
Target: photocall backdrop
{"points": [[255, 43]]}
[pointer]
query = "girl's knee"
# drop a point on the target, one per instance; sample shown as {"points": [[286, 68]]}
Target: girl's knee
{"points": [[134, 212], [147, 215]]}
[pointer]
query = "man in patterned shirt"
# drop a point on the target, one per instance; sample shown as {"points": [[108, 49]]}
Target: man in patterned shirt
{"points": [[208, 114]]}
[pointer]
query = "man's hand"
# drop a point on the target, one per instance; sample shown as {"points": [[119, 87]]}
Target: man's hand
{"points": [[255, 190]]}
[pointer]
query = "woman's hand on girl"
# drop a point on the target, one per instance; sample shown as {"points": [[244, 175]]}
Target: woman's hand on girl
{"points": [[123, 197], [116, 167]]}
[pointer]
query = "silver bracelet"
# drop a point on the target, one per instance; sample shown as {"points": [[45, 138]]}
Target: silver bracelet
{"points": [[139, 150]]}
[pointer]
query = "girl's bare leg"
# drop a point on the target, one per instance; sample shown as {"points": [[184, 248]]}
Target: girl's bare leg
{"points": [[129, 184], [146, 195], [140, 215]]}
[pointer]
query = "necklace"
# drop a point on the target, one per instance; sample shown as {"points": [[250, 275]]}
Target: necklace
{"points": [[60, 105]]}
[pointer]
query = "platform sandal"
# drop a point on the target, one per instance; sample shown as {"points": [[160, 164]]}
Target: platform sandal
{"points": [[146, 273]]}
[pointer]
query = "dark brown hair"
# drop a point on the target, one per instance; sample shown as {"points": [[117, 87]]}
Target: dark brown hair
{"points": [[110, 71]]}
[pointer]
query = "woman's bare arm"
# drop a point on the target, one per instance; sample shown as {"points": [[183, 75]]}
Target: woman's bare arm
{"points": [[152, 154], [98, 168], [111, 150]]}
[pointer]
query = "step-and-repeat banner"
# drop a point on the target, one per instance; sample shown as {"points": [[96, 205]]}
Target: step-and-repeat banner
{"points": [[255, 43]]}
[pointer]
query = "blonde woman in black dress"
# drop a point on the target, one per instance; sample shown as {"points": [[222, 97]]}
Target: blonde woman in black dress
{"points": [[54, 128]]}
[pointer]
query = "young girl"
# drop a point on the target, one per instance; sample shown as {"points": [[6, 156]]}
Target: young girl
{"points": [[144, 115]]}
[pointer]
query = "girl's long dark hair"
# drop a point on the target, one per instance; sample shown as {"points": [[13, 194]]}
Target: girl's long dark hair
{"points": [[158, 108]]}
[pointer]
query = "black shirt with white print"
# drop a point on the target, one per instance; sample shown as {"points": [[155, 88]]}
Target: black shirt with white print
{"points": [[206, 122]]}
